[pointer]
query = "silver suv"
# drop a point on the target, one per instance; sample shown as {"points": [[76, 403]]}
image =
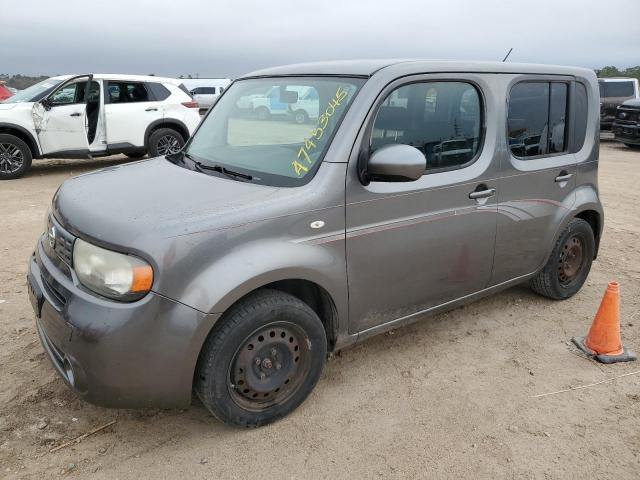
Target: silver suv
{"points": [[234, 266]]}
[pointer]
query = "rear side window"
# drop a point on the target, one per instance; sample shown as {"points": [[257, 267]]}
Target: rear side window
{"points": [[581, 109], [537, 119], [206, 90], [158, 91], [127, 92], [616, 89], [441, 119]]}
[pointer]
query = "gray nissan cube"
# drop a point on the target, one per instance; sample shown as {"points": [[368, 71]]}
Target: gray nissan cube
{"points": [[234, 267]]}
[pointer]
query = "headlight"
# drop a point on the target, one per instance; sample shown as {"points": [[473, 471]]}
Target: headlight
{"points": [[112, 274]]}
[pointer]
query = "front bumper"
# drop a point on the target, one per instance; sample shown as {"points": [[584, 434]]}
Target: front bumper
{"points": [[113, 354], [627, 133]]}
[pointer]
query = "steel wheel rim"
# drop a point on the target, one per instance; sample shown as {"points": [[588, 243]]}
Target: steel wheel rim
{"points": [[571, 260], [168, 144], [300, 118], [270, 366], [11, 158]]}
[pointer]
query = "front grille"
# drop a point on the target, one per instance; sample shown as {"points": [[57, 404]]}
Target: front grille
{"points": [[628, 115], [58, 242]]}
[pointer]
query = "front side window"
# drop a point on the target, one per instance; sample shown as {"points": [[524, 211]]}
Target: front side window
{"points": [[74, 93], [275, 130], [537, 119], [441, 119], [127, 92]]}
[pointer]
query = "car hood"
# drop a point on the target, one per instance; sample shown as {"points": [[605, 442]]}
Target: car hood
{"points": [[11, 106], [126, 205]]}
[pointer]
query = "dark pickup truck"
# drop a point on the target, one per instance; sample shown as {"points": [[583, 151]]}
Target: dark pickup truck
{"points": [[613, 92], [626, 126]]}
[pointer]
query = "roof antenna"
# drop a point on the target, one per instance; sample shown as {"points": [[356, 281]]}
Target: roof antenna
{"points": [[507, 55]]}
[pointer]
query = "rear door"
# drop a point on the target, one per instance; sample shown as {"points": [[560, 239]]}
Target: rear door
{"points": [[536, 189], [60, 119], [130, 107]]}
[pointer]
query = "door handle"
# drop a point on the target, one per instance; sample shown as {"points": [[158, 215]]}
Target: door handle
{"points": [[486, 193], [76, 114], [151, 109], [563, 177]]}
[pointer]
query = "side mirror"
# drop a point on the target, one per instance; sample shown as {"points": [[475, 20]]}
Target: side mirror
{"points": [[46, 104], [394, 163]]}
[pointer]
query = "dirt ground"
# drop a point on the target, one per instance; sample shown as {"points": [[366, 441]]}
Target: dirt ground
{"points": [[448, 397]]}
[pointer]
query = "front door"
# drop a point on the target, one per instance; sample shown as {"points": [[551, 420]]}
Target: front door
{"points": [[538, 177], [60, 119], [412, 246]]}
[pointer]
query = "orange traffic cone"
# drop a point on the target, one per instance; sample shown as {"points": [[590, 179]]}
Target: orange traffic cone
{"points": [[603, 341]]}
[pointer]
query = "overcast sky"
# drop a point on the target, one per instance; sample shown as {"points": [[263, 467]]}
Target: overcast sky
{"points": [[216, 38]]}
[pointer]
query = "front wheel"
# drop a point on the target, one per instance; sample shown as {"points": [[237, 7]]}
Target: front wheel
{"points": [[569, 264], [15, 157], [262, 361], [165, 141]]}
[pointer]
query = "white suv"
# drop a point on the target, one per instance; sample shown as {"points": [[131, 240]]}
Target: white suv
{"points": [[87, 116]]}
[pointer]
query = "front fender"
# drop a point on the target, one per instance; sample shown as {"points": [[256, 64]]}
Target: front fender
{"points": [[255, 265]]}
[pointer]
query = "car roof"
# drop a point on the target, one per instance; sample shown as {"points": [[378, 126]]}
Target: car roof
{"points": [[132, 78], [618, 79], [367, 68]]}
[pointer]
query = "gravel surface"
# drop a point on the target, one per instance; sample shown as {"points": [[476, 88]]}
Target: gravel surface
{"points": [[448, 397]]}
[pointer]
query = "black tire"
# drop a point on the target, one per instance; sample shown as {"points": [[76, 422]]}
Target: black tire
{"points": [[569, 262], [262, 113], [15, 157], [236, 389], [300, 117], [135, 155], [165, 141], [632, 145]]}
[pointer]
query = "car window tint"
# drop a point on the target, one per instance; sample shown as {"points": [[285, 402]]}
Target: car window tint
{"points": [[127, 92], [557, 117], [616, 89], [537, 119], [528, 119], [441, 119], [66, 95], [581, 110], [159, 91]]}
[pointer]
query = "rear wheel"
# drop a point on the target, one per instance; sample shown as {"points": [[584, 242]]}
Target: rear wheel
{"points": [[300, 117], [165, 141], [262, 361], [15, 157], [569, 263]]}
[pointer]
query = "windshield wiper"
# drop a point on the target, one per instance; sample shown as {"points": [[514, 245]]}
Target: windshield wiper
{"points": [[223, 170], [202, 167]]}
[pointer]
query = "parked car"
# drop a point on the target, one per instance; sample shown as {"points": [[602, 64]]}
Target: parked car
{"points": [[86, 116], [206, 91], [614, 91], [301, 108], [5, 92], [233, 266], [626, 127]]}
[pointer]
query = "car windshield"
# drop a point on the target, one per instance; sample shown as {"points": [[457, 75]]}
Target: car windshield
{"points": [[35, 92], [273, 131]]}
